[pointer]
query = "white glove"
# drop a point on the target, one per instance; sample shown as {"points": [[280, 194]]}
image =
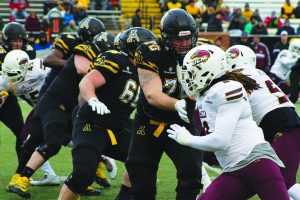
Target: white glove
{"points": [[180, 106], [98, 106], [179, 134]]}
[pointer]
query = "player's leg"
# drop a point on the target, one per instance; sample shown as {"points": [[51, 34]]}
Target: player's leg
{"points": [[49, 179], [11, 116], [286, 146], [142, 163], [265, 179]]}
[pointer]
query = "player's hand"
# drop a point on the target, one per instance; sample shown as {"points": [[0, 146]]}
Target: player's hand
{"points": [[98, 106], [180, 106], [3, 96], [179, 134]]}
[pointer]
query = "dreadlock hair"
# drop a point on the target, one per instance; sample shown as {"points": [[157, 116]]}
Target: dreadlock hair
{"points": [[248, 83]]}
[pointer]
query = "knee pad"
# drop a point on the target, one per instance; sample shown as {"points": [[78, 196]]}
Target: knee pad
{"points": [[188, 188], [143, 180], [48, 151], [79, 182]]}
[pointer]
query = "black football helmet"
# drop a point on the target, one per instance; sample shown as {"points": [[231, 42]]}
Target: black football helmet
{"points": [[89, 27], [104, 41], [177, 23], [132, 38], [117, 41], [14, 30]]}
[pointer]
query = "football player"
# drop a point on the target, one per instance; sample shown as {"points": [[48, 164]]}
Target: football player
{"points": [[160, 104], [249, 162], [109, 94], [14, 37], [285, 60], [51, 118], [23, 78], [274, 113]]}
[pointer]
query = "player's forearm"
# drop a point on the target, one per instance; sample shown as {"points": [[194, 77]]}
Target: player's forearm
{"points": [[54, 62], [87, 89], [207, 143], [161, 100]]}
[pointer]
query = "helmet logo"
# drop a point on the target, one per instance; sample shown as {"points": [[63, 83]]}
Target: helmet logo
{"points": [[102, 37], [184, 33], [200, 56], [85, 23], [233, 53], [133, 37]]}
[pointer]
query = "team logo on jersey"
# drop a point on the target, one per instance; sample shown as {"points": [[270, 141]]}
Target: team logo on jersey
{"points": [[170, 69], [87, 128], [200, 56], [233, 53], [133, 37]]}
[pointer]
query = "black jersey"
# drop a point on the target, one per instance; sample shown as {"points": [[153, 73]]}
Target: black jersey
{"points": [[152, 56], [28, 49], [120, 93], [65, 85], [66, 44]]}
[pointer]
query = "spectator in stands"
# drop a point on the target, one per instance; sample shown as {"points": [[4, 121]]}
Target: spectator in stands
{"points": [[174, 4], [257, 15], [259, 29], [215, 23], [263, 58], [242, 18], [18, 8], [1, 23], [48, 5], [282, 44], [32, 22], [287, 10], [249, 25], [219, 42], [273, 21], [244, 39], [286, 27], [68, 16], [213, 3], [59, 8], [114, 5], [210, 11], [297, 10], [136, 19], [83, 3], [31, 38], [235, 24], [224, 11], [79, 13], [44, 43], [247, 12], [68, 4], [72, 27], [193, 9]]}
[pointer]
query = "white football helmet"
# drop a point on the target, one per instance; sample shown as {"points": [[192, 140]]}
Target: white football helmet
{"points": [[239, 57], [201, 66], [294, 48], [15, 65]]}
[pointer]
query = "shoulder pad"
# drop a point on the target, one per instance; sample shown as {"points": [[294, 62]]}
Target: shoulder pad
{"points": [[90, 51], [228, 91], [107, 60]]}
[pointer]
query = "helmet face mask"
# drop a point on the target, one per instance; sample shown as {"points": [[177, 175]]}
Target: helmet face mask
{"points": [[239, 57], [15, 66], [200, 67], [130, 39], [178, 25], [294, 48], [89, 27]]}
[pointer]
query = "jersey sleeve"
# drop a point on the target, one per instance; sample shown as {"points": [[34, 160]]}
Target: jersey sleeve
{"points": [[107, 65], [66, 43], [90, 50], [229, 92], [147, 55]]}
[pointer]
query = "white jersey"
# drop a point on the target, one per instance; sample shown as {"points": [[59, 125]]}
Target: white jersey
{"points": [[28, 89], [225, 112], [283, 63], [266, 98]]}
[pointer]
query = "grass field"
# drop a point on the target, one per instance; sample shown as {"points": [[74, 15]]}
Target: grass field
{"points": [[62, 166]]}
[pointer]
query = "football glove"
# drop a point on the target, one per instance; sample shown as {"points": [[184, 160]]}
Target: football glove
{"points": [[180, 106], [179, 134], [3, 96], [98, 106]]}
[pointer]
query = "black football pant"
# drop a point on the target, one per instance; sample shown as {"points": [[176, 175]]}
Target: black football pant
{"points": [[11, 116]]}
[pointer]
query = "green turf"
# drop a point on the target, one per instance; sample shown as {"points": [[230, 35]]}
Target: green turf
{"points": [[62, 166]]}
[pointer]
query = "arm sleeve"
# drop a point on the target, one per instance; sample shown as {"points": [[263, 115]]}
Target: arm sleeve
{"points": [[226, 120]]}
